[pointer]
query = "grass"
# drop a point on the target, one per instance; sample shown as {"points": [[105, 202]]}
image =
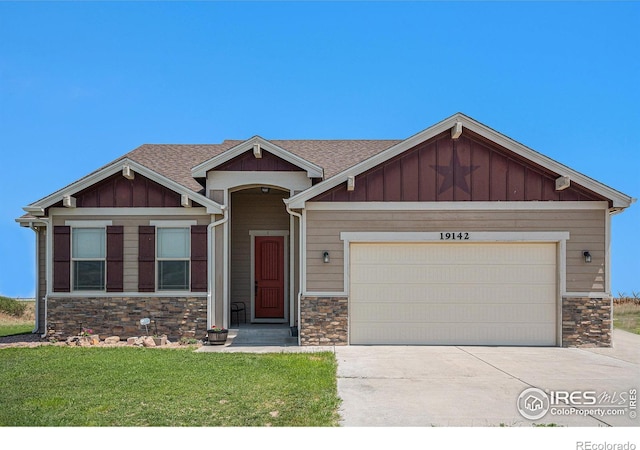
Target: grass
{"points": [[72, 386], [626, 313], [16, 317]]}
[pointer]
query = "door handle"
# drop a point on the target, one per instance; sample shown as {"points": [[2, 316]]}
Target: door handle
{"points": [[256, 288]]}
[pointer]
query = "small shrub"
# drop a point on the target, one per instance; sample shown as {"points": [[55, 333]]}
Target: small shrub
{"points": [[12, 307]]}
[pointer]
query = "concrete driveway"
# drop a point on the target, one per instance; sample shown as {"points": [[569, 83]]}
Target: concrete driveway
{"points": [[479, 386]]}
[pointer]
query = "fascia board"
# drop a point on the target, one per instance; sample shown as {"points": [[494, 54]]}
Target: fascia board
{"points": [[200, 171], [27, 221], [211, 206], [34, 210]]}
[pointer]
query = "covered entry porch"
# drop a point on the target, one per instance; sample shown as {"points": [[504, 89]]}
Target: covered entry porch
{"points": [[258, 264]]}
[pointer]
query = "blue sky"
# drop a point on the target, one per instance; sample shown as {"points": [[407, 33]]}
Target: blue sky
{"points": [[82, 83]]}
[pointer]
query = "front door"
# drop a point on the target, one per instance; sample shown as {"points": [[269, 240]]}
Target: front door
{"points": [[269, 277]]}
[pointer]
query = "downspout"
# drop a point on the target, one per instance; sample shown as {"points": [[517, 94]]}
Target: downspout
{"points": [[300, 248], [211, 311], [37, 277], [48, 255]]}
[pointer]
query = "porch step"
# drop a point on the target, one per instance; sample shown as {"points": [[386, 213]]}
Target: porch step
{"points": [[262, 335]]}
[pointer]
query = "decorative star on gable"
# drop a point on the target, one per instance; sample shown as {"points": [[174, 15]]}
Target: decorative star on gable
{"points": [[454, 174]]}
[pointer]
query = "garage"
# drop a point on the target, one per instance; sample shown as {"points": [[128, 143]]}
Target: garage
{"points": [[453, 293]]}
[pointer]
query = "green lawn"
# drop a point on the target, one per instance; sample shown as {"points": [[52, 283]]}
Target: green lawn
{"points": [[626, 316], [11, 329], [65, 386]]}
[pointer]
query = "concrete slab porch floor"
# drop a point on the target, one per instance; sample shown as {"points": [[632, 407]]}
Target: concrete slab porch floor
{"points": [[261, 338]]}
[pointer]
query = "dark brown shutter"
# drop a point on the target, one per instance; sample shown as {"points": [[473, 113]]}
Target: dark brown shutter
{"points": [[146, 259], [61, 259], [115, 258], [199, 258]]}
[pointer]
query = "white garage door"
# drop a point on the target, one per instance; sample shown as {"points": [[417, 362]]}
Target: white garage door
{"points": [[453, 294]]}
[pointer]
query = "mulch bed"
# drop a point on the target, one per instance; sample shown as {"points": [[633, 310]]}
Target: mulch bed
{"points": [[22, 340]]}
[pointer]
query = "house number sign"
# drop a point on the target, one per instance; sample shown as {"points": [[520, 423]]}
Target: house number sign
{"points": [[454, 236]]}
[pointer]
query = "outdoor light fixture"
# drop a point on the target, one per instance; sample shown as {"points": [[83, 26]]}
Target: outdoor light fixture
{"points": [[265, 190], [325, 256], [587, 256]]}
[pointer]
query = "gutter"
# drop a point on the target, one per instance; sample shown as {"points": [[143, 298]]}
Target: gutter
{"points": [[211, 311], [613, 211]]}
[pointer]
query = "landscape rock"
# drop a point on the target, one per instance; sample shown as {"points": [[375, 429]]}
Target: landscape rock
{"points": [[112, 340]]}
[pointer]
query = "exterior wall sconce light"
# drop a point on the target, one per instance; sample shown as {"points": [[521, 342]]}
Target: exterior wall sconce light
{"points": [[265, 190], [587, 256], [325, 256]]}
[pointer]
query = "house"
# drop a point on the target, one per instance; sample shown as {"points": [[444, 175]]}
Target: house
{"points": [[533, 403], [456, 235]]}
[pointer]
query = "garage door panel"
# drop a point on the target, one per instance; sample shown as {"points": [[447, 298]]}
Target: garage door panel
{"points": [[444, 334], [428, 314], [455, 254], [467, 293], [459, 274], [453, 293]]}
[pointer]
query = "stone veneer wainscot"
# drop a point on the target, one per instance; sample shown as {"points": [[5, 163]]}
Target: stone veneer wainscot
{"points": [[176, 317], [586, 322], [324, 321]]}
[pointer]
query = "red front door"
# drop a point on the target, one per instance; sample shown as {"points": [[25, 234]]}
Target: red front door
{"points": [[269, 277]]}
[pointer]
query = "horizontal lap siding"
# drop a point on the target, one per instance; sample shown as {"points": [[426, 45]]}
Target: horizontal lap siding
{"points": [[586, 228]]}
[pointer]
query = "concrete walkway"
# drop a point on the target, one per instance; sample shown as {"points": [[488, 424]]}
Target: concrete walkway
{"points": [[477, 386]]}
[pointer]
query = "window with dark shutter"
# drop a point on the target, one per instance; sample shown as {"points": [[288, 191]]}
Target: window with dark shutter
{"points": [[173, 256], [199, 258], [61, 259], [115, 258], [146, 259], [88, 258]]}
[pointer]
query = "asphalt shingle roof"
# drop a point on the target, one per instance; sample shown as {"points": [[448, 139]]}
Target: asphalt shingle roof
{"points": [[175, 161]]}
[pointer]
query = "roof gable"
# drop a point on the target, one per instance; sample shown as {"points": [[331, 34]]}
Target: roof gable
{"points": [[120, 192], [255, 147], [268, 162], [463, 169], [103, 177], [451, 129]]}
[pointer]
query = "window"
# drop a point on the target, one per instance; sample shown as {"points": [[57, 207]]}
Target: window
{"points": [[174, 253], [88, 255]]}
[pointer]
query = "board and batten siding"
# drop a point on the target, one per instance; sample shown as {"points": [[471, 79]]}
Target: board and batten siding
{"points": [[130, 226], [586, 228]]}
